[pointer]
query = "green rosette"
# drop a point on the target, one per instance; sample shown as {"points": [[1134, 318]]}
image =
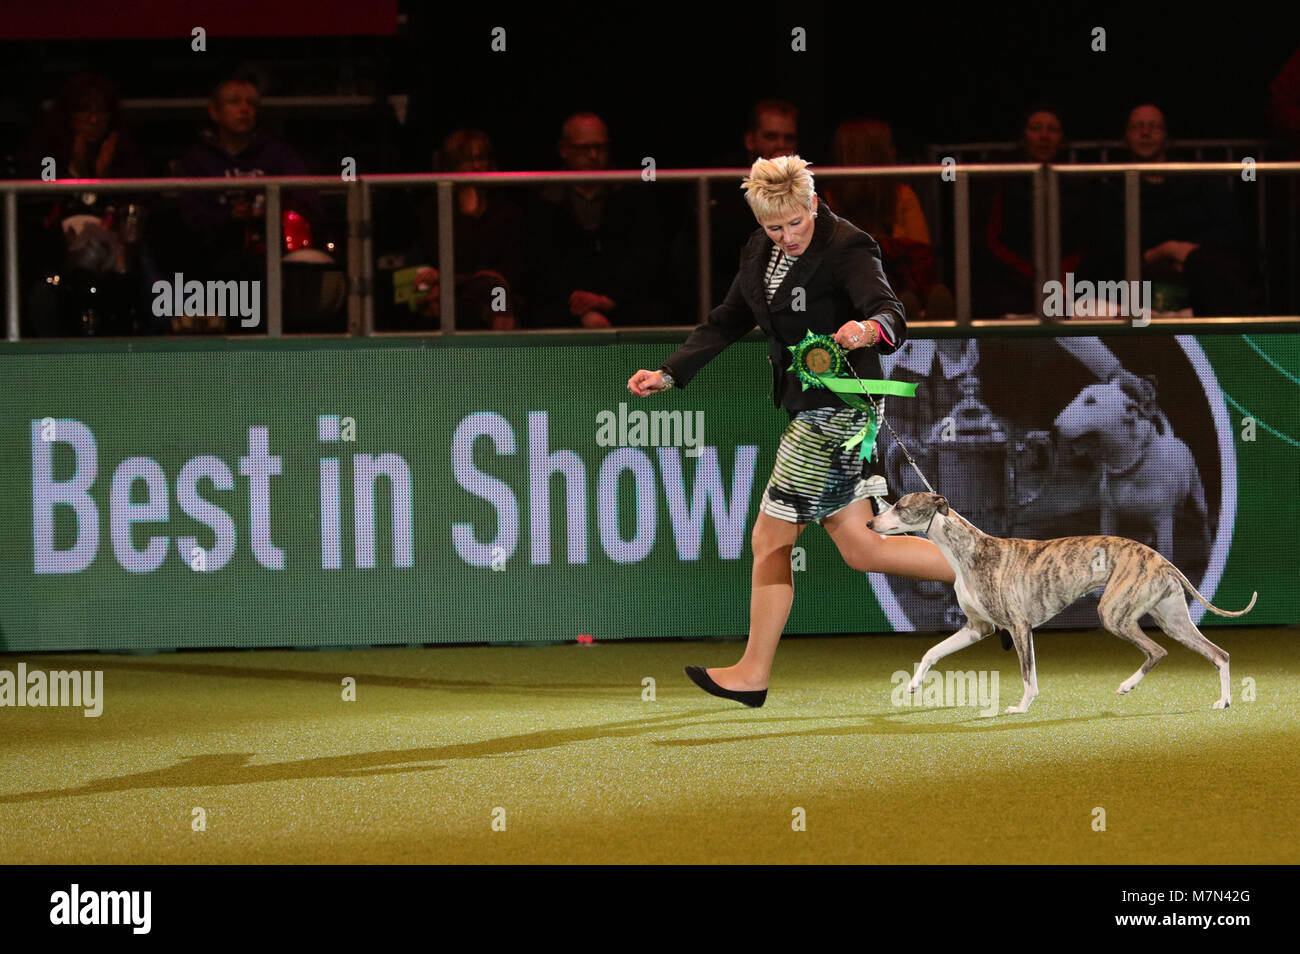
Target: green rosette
{"points": [[820, 363], [814, 357]]}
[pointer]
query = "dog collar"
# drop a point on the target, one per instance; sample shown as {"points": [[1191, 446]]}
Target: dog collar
{"points": [[1141, 451]]}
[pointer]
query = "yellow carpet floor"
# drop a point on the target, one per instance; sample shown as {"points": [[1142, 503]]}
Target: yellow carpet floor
{"points": [[556, 754]]}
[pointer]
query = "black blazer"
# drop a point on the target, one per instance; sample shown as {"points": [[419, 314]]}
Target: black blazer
{"points": [[843, 280]]}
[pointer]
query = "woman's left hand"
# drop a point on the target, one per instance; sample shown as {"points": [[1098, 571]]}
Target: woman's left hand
{"points": [[856, 334]]}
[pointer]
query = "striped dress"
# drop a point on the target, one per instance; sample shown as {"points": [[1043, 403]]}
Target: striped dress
{"points": [[814, 476]]}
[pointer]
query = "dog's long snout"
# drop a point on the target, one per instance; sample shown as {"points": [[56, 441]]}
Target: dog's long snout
{"points": [[884, 523]]}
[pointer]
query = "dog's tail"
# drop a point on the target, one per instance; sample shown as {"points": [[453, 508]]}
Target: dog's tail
{"points": [[1187, 585]]}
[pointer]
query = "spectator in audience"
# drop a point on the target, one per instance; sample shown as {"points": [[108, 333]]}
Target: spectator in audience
{"points": [[227, 229], [486, 226], [771, 130], [85, 135], [889, 211], [81, 257], [593, 249], [1003, 220], [1191, 233]]}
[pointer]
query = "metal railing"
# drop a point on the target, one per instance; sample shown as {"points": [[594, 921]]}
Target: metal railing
{"points": [[1080, 151], [360, 258], [1074, 148]]}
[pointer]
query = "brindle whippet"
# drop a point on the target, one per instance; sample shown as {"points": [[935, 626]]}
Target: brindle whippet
{"points": [[1019, 584]]}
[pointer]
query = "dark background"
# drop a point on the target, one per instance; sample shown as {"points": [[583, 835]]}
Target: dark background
{"points": [[675, 80]]}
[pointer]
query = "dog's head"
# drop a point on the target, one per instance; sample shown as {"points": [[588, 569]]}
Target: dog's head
{"points": [[1098, 408], [912, 514]]}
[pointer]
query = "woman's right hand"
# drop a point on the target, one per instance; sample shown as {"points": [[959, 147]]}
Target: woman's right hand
{"points": [[645, 383]]}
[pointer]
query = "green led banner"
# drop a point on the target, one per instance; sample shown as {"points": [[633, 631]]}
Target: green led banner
{"points": [[304, 495]]}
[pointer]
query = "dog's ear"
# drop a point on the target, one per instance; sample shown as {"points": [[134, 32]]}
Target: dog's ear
{"points": [[941, 505]]}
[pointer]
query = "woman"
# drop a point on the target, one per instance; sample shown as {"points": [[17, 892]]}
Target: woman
{"points": [[90, 239], [881, 207], [889, 211], [845, 295], [487, 252], [1005, 275]]}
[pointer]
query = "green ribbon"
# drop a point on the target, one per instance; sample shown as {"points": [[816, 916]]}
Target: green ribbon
{"points": [[819, 363]]}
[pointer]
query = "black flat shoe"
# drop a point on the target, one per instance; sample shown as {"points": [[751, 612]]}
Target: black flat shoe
{"points": [[700, 676]]}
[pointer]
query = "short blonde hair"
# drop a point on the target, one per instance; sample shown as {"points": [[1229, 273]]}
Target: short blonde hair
{"points": [[778, 187]]}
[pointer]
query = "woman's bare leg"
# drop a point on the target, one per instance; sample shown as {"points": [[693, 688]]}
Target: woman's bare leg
{"points": [[772, 585], [869, 552], [770, 599]]}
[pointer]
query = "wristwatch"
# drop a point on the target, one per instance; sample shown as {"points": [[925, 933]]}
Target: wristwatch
{"points": [[668, 378]]}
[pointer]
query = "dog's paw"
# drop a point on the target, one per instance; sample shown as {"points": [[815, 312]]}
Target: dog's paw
{"points": [[913, 687], [1015, 709], [1222, 704]]}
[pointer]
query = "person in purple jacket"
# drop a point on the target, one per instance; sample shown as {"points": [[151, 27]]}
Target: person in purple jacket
{"points": [[229, 226]]}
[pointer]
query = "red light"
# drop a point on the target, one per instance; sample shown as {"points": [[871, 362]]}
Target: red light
{"points": [[297, 231]]}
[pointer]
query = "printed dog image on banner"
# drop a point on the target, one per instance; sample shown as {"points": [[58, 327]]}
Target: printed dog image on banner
{"points": [[1114, 436], [1148, 475]]}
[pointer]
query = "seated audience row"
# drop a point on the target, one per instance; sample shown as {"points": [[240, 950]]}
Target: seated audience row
{"points": [[583, 254]]}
